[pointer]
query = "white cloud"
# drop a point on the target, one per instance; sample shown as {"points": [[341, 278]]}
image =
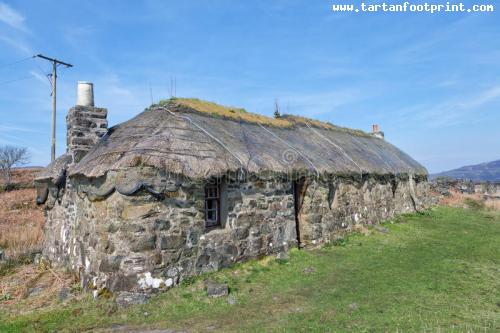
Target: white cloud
{"points": [[18, 129], [453, 111], [11, 17], [313, 104], [40, 77], [324, 102], [14, 38], [122, 99], [447, 83], [482, 98], [18, 44]]}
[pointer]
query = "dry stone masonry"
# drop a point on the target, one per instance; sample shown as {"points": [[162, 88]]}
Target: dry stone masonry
{"points": [[142, 242]]}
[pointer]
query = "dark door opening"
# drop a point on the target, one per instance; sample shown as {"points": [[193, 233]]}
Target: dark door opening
{"points": [[299, 187]]}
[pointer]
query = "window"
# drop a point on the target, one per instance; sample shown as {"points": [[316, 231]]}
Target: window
{"points": [[212, 205]]}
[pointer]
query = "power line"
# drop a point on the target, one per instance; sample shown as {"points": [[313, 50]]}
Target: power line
{"points": [[43, 72], [24, 77], [15, 80], [16, 62]]}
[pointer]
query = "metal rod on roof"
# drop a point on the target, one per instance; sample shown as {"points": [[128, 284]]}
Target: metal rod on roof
{"points": [[336, 146], [206, 132], [295, 149]]}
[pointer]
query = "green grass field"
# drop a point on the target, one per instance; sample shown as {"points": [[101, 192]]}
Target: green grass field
{"points": [[432, 272]]}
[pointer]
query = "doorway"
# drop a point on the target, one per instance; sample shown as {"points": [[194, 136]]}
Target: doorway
{"points": [[299, 189]]}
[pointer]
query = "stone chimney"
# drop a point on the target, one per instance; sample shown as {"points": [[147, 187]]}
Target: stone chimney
{"points": [[376, 132], [86, 123]]}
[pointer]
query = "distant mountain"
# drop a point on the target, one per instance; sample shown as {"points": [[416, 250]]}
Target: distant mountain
{"points": [[489, 171]]}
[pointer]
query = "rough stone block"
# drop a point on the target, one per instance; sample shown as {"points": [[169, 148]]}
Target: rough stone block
{"points": [[143, 243], [125, 299], [162, 225], [215, 290], [171, 242]]}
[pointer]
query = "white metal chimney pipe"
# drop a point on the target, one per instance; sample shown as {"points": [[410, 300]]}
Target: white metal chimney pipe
{"points": [[85, 94]]}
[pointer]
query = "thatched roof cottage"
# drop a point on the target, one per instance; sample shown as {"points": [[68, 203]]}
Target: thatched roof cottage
{"points": [[188, 186]]}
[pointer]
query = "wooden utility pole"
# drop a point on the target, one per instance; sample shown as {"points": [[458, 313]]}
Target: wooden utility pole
{"points": [[55, 63]]}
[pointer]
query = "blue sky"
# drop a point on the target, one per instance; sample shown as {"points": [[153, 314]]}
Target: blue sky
{"points": [[431, 81]]}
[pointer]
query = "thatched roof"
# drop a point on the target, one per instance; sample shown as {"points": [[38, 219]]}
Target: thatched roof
{"points": [[56, 170], [200, 139]]}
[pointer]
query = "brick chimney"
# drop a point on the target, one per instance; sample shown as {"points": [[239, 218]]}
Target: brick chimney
{"points": [[376, 132], [86, 124]]}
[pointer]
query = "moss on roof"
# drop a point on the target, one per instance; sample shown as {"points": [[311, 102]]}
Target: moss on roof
{"points": [[225, 111], [285, 121], [298, 120]]}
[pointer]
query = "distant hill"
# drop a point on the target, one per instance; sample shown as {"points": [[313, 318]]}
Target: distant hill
{"points": [[489, 171]]}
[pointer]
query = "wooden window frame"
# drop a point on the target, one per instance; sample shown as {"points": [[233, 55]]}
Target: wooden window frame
{"points": [[213, 194]]}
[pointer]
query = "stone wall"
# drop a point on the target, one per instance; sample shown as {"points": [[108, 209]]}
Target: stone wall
{"points": [[330, 208], [443, 185], [489, 189], [144, 241]]}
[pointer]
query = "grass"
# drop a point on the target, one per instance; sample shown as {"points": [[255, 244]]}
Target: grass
{"points": [[473, 201], [430, 272], [225, 111], [286, 121], [474, 204], [492, 204], [21, 222], [21, 178]]}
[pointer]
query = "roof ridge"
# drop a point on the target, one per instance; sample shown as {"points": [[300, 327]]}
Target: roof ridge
{"points": [[240, 114]]}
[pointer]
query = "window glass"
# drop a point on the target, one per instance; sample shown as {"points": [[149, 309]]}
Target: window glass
{"points": [[212, 205]]}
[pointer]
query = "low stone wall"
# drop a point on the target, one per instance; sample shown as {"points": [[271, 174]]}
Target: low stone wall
{"points": [[442, 186], [489, 190], [146, 241]]}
